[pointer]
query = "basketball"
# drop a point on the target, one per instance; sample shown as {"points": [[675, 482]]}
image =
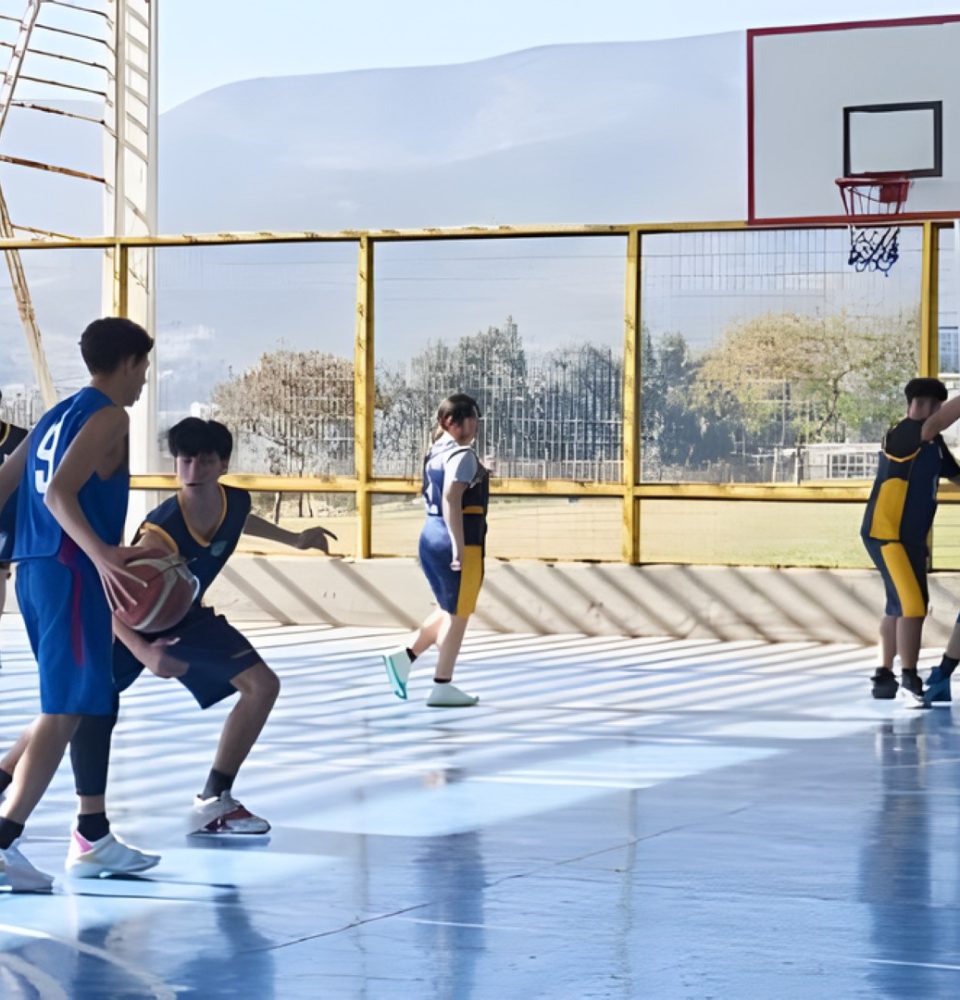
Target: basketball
{"points": [[169, 592]]}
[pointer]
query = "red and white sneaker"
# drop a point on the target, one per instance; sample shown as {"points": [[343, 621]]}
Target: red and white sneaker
{"points": [[224, 816]]}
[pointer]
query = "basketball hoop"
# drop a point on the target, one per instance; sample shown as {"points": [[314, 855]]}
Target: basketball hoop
{"points": [[876, 247]]}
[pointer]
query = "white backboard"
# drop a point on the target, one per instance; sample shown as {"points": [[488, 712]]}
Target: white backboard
{"points": [[860, 99]]}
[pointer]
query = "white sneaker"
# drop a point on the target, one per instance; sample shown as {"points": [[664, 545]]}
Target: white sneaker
{"points": [[448, 696], [224, 815], [107, 856], [18, 875], [398, 665]]}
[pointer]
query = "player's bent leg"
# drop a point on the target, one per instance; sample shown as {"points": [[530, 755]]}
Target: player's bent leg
{"points": [[215, 810], [51, 734], [909, 632], [444, 694], [39, 763], [94, 849]]}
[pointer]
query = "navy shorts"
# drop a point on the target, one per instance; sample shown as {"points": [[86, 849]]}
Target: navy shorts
{"points": [[456, 592], [215, 650], [70, 627], [904, 572]]}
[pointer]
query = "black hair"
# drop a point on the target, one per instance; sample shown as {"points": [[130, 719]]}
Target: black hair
{"points": [[107, 343], [925, 388], [457, 408], [193, 436]]}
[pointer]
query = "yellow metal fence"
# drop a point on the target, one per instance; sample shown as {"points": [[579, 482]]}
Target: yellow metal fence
{"points": [[635, 498]]}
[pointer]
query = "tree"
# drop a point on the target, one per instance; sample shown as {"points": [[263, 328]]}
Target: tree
{"points": [[293, 411], [787, 378], [677, 431]]}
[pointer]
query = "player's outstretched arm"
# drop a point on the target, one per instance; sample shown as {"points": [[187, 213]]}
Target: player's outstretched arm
{"points": [[98, 448], [309, 538], [949, 413], [11, 471]]}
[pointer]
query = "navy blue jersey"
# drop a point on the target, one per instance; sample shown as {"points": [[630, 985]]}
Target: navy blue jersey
{"points": [[205, 556], [10, 438], [904, 495], [436, 468], [103, 501]]}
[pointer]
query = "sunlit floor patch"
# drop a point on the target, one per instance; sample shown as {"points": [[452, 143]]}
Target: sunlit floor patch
{"points": [[617, 818]]}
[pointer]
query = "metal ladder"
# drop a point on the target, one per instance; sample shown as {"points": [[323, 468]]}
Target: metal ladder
{"points": [[13, 74]]}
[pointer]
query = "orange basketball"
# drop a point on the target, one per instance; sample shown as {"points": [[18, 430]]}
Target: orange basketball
{"points": [[169, 592]]}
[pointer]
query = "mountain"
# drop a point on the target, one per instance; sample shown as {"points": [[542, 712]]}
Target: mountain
{"points": [[616, 132], [593, 133]]}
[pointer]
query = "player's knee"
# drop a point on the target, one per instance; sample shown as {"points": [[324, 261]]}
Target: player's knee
{"points": [[258, 682], [270, 685]]}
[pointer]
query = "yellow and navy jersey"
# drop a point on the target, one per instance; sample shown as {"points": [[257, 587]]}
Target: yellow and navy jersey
{"points": [[476, 496], [904, 495], [10, 437], [205, 556]]}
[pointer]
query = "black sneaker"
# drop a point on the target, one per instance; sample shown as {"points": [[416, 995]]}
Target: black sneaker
{"points": [[911, 683], [884, 684]]}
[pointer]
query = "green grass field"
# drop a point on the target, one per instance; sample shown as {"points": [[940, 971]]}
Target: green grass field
{"points": [[750, 533]]}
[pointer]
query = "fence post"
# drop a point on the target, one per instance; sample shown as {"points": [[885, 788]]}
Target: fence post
{"points": [[630, 534], [363, 397], [930, 319], [930, 302]]}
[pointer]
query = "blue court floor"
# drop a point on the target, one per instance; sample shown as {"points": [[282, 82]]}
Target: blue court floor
{"points": [[628, 818]]}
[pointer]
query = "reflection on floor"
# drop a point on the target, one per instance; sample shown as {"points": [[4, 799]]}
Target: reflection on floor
{"points": [[618, 818]]}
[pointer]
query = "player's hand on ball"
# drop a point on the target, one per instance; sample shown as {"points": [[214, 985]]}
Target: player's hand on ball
{"points": [[119, 584], [315, 538], [161, 662]]}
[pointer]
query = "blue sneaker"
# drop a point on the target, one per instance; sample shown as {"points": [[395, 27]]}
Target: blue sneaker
{"points": [[937, 688], [398, 665]]}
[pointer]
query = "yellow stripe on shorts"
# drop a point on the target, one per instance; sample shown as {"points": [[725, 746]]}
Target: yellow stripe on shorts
{"points": [[471, 576], [904, 580], [888, 509]]}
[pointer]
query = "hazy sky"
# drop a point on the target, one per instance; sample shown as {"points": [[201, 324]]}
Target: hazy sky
{"points": [[206, 43]]}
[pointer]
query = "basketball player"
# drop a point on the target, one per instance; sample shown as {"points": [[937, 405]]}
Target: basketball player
{"points": [[897, 521], [456, 492], [10, 438], [203, 523], [72, 482]]}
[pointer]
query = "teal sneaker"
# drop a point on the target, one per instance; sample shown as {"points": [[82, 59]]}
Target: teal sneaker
{"points": [[398, 665]]}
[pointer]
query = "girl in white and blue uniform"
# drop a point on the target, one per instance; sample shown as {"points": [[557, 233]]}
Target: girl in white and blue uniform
{"points": [[455, 492]]}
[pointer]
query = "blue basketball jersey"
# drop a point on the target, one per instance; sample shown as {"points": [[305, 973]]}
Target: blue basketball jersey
{"points": [[205, 557], [103, 501]]}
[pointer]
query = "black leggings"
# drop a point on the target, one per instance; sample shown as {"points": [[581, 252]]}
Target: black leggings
{"points": [[90, 752]]}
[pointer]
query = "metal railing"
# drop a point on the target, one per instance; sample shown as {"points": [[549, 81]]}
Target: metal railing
{"points": [[630, 489]]}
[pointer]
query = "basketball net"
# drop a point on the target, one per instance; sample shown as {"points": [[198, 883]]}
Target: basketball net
{"points": [[873, 247]]}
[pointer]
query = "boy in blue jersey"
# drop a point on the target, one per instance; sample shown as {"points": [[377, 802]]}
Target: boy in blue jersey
{"points": [[898, 518], [203, 523], [71, 479]]}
